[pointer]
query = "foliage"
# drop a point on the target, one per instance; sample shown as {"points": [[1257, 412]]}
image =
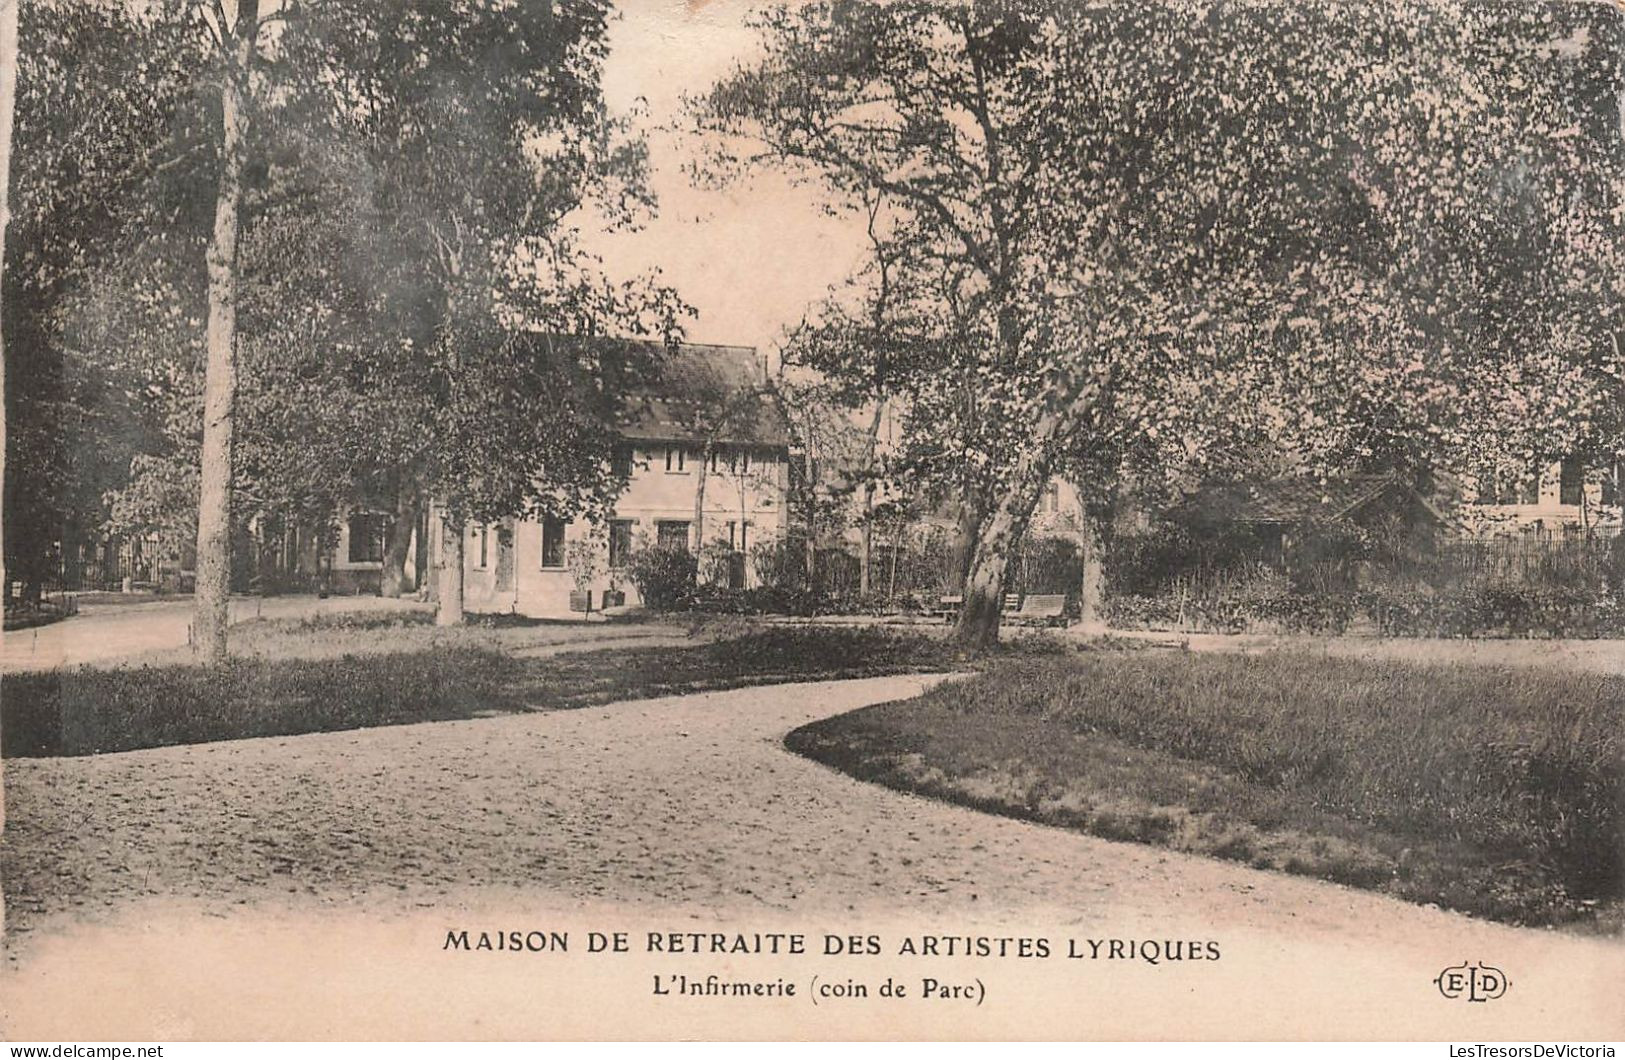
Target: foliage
{"points": [[1372, 235], [411, 268], [1492, 791], [664, 577], [100, 89]]}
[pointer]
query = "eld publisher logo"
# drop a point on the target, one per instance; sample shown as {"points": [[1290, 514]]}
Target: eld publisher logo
{"points": [[1474, 982]]}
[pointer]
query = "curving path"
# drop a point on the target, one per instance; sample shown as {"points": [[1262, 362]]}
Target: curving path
{"points": [[686, 812]]}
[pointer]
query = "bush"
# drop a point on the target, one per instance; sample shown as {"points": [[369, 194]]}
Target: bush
{"points": [[664, 577], [780, 563], [1498, 610]]}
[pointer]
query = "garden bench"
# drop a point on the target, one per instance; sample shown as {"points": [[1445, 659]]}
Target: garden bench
{"points": [[948, 607], [1039, 610]]}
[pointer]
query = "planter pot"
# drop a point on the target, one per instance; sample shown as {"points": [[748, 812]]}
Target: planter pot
{"points": [[613, 598], [581, 601]]}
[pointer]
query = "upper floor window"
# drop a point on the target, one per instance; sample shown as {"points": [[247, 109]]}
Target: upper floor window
{"points": [[620, 461], [676, 458], [552, 543], [482, 538]]}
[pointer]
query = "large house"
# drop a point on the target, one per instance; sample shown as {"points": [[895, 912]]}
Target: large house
{"points": [[1553, 497], [706, 418]]}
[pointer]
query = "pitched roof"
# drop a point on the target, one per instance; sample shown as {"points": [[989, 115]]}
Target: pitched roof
{"points": [[697, 390], [1299, 499]]}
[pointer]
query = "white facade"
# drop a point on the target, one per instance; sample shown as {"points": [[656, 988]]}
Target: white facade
{"points": [[1560, 497], [546, 561]]}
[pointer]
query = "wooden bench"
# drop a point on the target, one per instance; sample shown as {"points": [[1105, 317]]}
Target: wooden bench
{"points": [[1038, 610], [1012, 607]]}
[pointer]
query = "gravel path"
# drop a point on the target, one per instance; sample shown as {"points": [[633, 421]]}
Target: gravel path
{"points": [[688, 804], [156, 630]]}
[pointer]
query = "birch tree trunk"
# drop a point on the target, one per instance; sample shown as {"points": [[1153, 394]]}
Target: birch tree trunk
{"points": [[699, 497], [220, 374], [866, 560], [8, 102], [448, 575]]}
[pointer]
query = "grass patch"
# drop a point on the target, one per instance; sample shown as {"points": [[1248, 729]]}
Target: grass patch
{"points": [[95, 710], [1494, 792]]}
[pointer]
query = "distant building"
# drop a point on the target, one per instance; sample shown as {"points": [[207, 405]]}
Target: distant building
{"points": [[1553, 496], [705, 396]]}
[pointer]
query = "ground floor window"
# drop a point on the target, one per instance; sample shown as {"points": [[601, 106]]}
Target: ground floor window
{"points": [[1571, 481], [672, 534], [482, 537], [1508, 486], [552, 543], [620, 543], [367, 538]]}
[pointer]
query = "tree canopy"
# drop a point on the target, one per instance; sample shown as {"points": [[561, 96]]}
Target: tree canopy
{"points": [[1139, 237]]}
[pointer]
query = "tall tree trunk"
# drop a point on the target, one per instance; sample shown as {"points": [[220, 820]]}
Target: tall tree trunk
{"points": [[964, 546], [8, 100], [996, 540], [1092, 585], [810, 492], [865, 579], [448, 574], [220, 374], [392, 580], [699, 497], [866, 556]]}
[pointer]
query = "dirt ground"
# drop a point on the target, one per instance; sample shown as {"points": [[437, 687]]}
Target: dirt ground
{"points": [[685, 808]]}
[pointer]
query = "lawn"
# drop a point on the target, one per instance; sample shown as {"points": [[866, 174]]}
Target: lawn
{"points": [[395, 671], [1497, 792]]}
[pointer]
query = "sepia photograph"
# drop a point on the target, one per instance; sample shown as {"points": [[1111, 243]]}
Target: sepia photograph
{"points": [[884, 520]]}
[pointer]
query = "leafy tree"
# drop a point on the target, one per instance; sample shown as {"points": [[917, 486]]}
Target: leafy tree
{"points": [[478, 140], [411, 180], [100, 90], [1159, 233]]}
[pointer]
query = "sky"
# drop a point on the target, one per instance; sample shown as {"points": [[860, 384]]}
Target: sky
{"points": [[752, 258]]}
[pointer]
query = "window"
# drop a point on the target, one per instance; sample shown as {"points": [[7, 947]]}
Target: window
{"points": [[1505, 486], [367, 538], [1530, 491], [620, 461], [738, 535], [483, 536], [676, 457], [1571, 482], [620, 542], [1052, 497], [1611, 483], [552, 543], [672, 535]]}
